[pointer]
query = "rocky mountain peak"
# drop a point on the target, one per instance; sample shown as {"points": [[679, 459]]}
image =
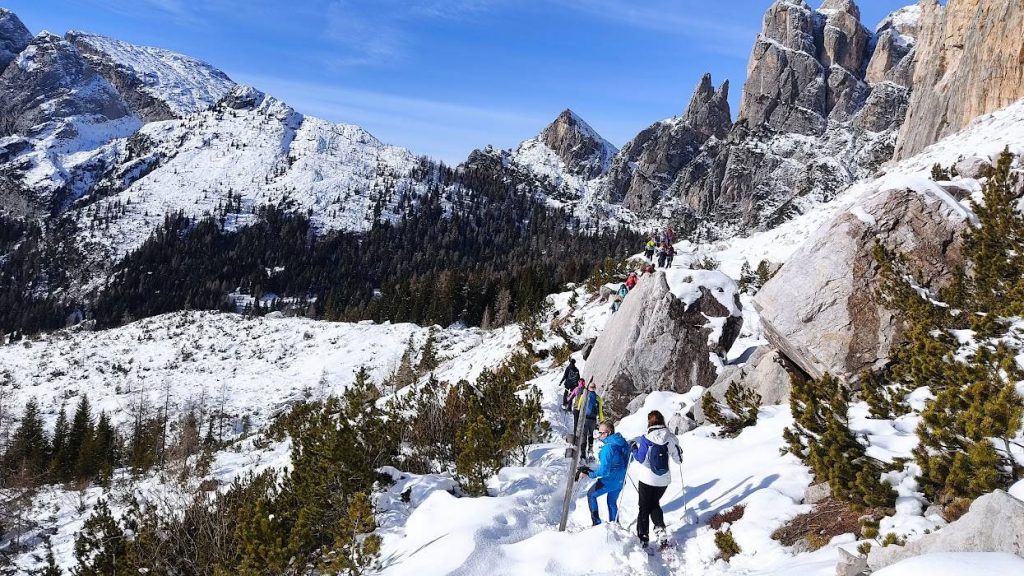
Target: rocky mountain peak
{"points": [[50, 81], [14, 37], [158, 84], [708, 112], [844, 40], [583, 150], [242, 97]]}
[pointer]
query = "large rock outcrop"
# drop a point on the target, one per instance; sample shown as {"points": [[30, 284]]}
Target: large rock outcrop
{"points": [[766, 372], [50, 81], [14, 37], [665, 338], [970, 62], [821, 309], [810, 122], [583, 150], [648, 164], [994, 523]]}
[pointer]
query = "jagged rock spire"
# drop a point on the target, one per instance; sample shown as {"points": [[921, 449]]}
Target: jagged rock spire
{"points": [[708, 112]]}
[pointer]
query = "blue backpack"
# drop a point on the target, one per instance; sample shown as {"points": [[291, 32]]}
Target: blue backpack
{"points": [[657, 457], [591, 411]]}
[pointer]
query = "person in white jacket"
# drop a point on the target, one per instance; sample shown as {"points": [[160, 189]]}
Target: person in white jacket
{"points": [[654, 450]]}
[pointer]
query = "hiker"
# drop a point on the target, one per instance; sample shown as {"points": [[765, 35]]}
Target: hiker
{"points": [[591, 413], [669, 235], [670, 253], [662, 253], [581, 387], [610, 474], [653, 451], [631, 280], [649, 249], [618, 297], [569, 378]]}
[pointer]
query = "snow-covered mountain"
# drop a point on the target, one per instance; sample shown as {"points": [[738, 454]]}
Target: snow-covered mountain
{"points": [[157, 84], [255, 149]]}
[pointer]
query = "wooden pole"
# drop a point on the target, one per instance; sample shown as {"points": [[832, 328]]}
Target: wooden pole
{"points": [[577, 440]]}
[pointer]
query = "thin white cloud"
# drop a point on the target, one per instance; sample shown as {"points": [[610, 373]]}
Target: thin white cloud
{"points": [[444, 130], [381, 32], [676, 17]]}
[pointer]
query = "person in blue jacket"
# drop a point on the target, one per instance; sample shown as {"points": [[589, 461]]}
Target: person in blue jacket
{"points": [[610, 473]]}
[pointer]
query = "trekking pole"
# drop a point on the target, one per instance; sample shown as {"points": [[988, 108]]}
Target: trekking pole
{"points": [[576, 439]]}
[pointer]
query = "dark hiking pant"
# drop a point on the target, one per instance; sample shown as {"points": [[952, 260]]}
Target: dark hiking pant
{"points": [[589, 425], [650, 509]]}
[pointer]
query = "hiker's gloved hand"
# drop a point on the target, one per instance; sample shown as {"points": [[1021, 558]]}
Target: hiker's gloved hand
{"points": [[632, 445], [582, 471]]}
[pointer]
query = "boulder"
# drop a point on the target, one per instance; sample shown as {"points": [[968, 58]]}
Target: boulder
{"points": [[821, 309], [764, 372], [665, 338], [994, 523], [972, 167], [817, 492], [850, 564]]}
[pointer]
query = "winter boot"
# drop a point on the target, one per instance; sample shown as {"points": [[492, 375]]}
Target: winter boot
{"points": [[661, 536]]}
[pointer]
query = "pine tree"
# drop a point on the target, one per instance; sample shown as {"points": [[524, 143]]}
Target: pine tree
{"points": [[821, 437], [428, 355], [50, 568], [101, 547], [27, 454], [80, 442], [59, 450], [743, 404], [356, 548]]}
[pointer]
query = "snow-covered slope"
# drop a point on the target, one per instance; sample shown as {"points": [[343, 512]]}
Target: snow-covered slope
{"points": [[256, 149], [158, 83]]}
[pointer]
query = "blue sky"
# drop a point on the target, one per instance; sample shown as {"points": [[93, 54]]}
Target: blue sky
{"points": [[442, 77]]}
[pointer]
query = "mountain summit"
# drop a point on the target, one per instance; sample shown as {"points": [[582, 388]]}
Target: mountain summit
{"points": [[14, 37], [584, 151]]}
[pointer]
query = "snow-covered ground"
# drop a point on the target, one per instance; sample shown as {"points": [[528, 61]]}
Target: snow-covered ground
{"points": [[263, 364]]}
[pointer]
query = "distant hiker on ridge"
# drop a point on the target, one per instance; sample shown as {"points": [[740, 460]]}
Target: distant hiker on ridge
{"points": [[649, 249], [570, 380], [654, 450], [610, 474]]}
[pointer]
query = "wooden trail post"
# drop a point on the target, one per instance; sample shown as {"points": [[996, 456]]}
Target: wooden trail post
{"points": [[573, 452]]}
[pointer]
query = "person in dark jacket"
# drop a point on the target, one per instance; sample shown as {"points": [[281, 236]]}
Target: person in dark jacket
{"points": [[569, 379], [610, 473]]}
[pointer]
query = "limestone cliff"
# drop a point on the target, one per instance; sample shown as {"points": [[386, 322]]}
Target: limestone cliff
{"points": [[970, 62]]}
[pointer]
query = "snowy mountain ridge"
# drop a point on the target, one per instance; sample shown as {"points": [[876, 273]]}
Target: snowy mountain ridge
{"points": [[183, 85]]}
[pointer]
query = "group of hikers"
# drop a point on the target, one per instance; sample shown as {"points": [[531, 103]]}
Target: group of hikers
{"points": [[660, 246], [628, 285], [653, 451]]}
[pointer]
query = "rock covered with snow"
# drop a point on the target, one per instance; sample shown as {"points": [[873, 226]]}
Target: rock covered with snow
{"points": [[821, 309], [584, 152], [994, 523], [667, 335], [957, 564], [54, 111], [894, 38], [969, 64], [50, 81], [157, 84], [14, 37], [764, 372]]}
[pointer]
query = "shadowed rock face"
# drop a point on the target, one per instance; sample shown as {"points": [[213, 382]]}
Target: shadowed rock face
{"points": [[53, 84], [810, 124], [650, 162], [971, 64], [821, 309], [14, 37], [657, 341], [584, 152]]}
